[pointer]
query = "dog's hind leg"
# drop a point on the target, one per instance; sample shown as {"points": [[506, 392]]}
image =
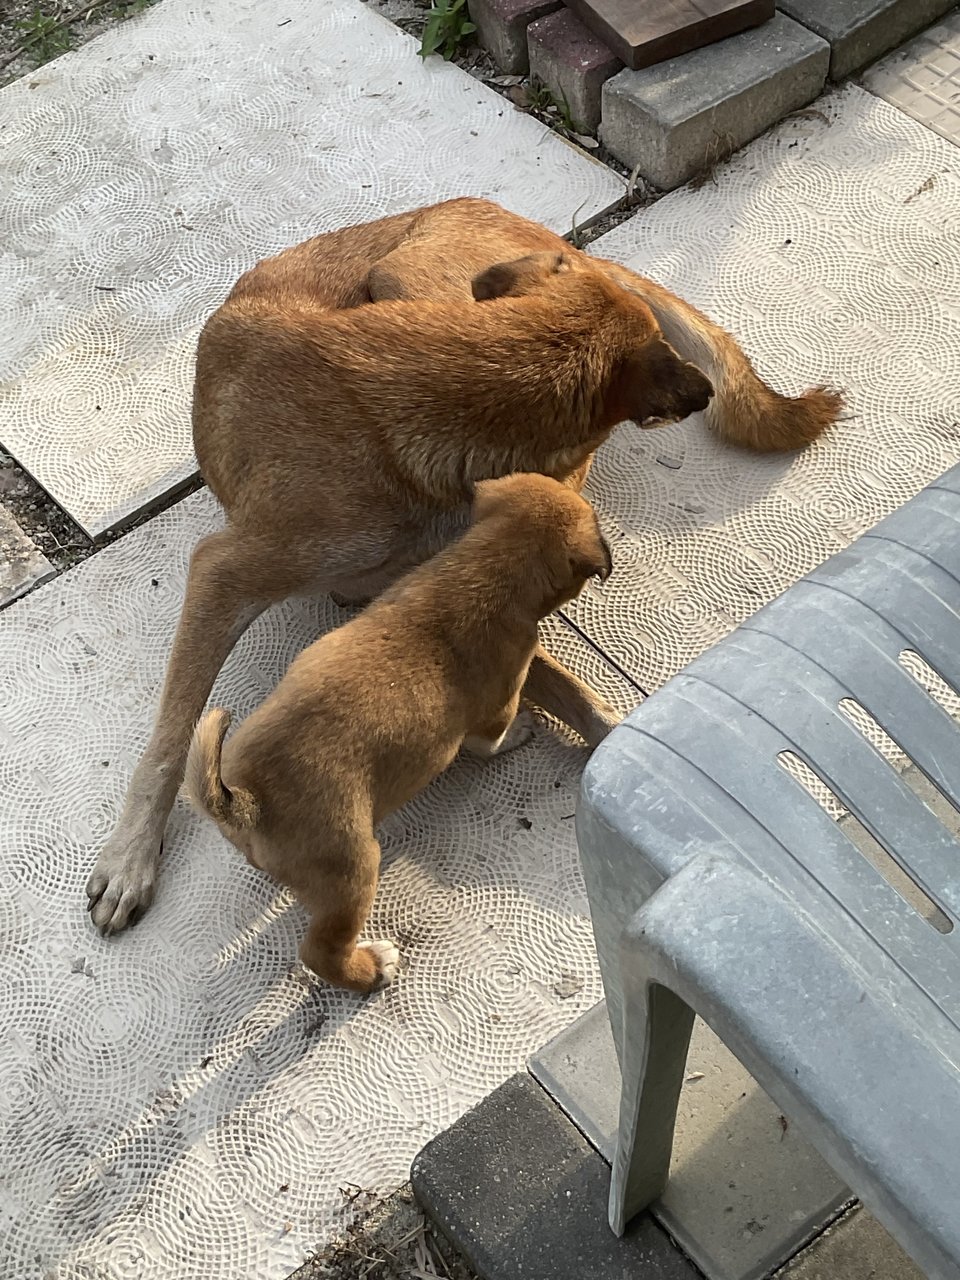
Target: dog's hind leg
{"points": [[339, 909], [230, 582], [560, 693]]}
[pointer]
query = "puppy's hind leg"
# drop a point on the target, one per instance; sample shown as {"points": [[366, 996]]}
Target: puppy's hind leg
{"points": [[340, 907], [560, 693]]}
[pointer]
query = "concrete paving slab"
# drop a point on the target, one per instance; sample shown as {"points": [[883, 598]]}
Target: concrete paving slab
{"points": [[22, 565], [858, 31], [923, 78], [188, 1106], [855, 1248], [745, 1191], [144, 172], [831, 248], [522, 1194]]}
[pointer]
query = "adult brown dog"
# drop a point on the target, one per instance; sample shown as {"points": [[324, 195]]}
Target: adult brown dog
{"points": [[341, 438], [372, 712]]}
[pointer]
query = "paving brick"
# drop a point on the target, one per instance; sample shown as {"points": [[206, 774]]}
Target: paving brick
{"points": [[572, 63], [654, 30], [523, 1196], [923, 78], [858, 31], [502, 29], [674, 119]]}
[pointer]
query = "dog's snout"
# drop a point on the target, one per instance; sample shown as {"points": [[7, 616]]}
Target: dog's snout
{"points": [[698, 392]]}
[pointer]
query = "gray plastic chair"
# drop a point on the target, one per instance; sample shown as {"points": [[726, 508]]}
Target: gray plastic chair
{"points": [[824, 954]]}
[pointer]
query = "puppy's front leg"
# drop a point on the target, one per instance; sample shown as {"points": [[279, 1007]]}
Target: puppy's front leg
{"points": [[558, 691], [498, 741]]}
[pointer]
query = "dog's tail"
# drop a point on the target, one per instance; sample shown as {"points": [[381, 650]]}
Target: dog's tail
{"points": [[744, 410], [204, 785]]}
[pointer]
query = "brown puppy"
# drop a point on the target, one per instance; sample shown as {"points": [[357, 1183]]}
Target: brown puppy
{"points": [[372, 712], [321, 493]]}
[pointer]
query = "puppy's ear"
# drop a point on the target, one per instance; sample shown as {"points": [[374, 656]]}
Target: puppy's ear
{"points": [[590, 558], [486, 499], [517, 279], [653, 385]]}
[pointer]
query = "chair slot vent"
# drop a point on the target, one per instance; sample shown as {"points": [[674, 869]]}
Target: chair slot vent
{"points": [[866, 844]]}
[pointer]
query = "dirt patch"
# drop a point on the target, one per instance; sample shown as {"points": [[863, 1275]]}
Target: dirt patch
{"points": [[31, 33], [391, 1240]]}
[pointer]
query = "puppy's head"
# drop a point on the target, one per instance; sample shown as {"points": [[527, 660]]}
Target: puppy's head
{"points": [[532, 274], [549, 527]]}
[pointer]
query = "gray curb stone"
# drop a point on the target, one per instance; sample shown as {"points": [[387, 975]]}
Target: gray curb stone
{"points": [[673, 119]]}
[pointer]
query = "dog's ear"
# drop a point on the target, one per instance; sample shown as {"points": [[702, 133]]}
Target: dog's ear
{"points": [[653, 386], [521, 277]]}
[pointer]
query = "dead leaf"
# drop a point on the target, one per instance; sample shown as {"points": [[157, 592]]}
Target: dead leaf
{"points": [[694, 1075], [519, 95], [585, 140], [568, 986], [923, 188], [811, 113]]}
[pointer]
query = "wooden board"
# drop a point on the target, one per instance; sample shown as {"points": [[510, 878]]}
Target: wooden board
{"points": [[642, 32]]}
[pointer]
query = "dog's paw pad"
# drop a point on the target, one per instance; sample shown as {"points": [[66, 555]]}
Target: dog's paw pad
{"points": [[387, 958]]}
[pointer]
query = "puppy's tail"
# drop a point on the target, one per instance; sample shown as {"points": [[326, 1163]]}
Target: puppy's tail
{"points": [[204, 785], [744, 410]]}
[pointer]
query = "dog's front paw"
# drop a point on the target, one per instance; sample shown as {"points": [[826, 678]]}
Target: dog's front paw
{"points": [[123, 883], [387, 959]]}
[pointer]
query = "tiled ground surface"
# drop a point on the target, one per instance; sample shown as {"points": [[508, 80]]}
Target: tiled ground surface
{"points": [[175, 1103], [923, 78], [831, 248], [144, 172]]}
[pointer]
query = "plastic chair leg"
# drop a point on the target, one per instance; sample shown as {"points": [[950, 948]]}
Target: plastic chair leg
{"points": [[656, 1035]]}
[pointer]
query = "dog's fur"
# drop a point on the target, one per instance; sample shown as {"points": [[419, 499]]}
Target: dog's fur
{"points": [[342, 437], [372, 712]]}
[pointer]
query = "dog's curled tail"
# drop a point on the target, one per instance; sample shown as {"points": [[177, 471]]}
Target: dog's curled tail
{"points": [[204, 785], [744, 410]]}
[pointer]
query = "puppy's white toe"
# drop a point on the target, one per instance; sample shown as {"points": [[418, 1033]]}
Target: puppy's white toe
{"points": [[521, 730], [388, 960]]}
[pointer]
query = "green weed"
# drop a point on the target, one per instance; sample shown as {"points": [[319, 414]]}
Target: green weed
{"points": [[448, 24], [541, 100], [44, 36]]}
